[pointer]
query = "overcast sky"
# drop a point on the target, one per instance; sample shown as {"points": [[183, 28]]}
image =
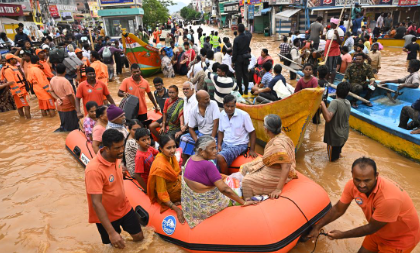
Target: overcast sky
{"points": [[184, 1]]}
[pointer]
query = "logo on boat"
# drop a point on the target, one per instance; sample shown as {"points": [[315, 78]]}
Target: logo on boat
{"points": [[358, 200], [169, 225], [111, 178]]}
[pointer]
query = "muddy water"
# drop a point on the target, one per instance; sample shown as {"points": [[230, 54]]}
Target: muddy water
{"points": [[43, 202]]}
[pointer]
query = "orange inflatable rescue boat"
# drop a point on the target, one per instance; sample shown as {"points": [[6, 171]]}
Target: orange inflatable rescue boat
{"points": [[270, 226]]}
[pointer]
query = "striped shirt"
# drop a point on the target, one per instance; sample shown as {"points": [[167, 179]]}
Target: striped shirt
{"points": [[284, 48], [223, 86]]}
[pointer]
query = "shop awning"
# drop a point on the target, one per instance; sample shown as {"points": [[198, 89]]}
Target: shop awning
{"points": [[266, 10], [285, 15]]}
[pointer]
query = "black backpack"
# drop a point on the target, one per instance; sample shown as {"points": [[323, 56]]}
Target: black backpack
{"points": [[57, 55], [287, 62]]}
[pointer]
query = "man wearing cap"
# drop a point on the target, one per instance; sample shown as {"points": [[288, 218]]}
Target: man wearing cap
{"points": [[44, 63], [357, 10], [101, 69], [91, 90], [116, 119], [334, 36], [137, 86], [81, 75], [41, 85], [15, 80]]}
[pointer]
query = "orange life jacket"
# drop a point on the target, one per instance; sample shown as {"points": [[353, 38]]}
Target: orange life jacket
{"points": [[18, 87]]}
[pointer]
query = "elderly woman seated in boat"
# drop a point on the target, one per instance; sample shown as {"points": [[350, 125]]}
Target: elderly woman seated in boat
{"points": [[164, 184], [204, 193], [410, 81], [268, 174]]}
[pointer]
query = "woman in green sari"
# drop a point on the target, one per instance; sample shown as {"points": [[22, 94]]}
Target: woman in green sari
{"points": [[173, 114]]}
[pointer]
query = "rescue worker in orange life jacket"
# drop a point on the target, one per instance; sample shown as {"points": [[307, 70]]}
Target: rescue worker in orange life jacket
{"points": [[81, 74], [16, 82], [41, 85]]}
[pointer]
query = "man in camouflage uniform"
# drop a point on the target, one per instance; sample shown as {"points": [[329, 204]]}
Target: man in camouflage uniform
{"points": [[356, 75]]}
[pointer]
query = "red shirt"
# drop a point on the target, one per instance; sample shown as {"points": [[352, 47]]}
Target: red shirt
{"points": [[137, 89], [95, 93], [389, 203], [313, 83], [144, 161], [106, 178]]}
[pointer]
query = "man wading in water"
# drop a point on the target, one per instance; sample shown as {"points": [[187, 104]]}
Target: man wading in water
{"points": [[393, 224], [109, 207]]}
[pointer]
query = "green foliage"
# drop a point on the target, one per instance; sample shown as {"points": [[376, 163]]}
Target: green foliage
{"points": [[190, 14], [155, 11]]}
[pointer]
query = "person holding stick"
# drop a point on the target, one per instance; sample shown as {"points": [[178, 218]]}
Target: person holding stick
{"points": [[332, 55]]}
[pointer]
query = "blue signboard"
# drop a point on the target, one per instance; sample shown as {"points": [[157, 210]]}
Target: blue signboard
{"points": [[116, 2], [250, 11]]}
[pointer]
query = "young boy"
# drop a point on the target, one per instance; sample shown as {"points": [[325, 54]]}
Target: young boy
{"points": [[144, 157]]}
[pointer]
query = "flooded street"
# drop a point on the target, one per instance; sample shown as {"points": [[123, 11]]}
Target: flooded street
{"points": [[42, 190]]}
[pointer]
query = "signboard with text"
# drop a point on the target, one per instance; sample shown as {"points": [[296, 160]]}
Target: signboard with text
{"points": [[407, 2], [115, 2], [364, 3], [229, 8], [94, 8], [54, 11], [11, 10], [257, 10], [253, 1], [250, 11]]}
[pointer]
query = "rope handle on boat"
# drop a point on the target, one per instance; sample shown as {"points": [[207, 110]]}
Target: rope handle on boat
{"points": [[321, 232]]}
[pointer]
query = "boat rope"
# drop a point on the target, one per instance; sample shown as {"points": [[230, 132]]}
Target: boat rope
{"points": [[321, 232]]}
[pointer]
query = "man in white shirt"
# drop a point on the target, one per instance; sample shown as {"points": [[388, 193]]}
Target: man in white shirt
{"points": [[197, 67], [251, 67], [86, 51], [349, 41], [379, 25], [203, 120], [190, 101], [227, 59], [235, 132], [218, 57]]}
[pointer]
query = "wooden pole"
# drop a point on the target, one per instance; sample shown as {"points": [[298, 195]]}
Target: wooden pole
{"points": [[332, 39], [290, 60], [91, 40]]}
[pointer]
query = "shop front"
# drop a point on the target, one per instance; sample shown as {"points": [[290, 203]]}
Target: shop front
{"points": [[116, 19], [7, 22]]}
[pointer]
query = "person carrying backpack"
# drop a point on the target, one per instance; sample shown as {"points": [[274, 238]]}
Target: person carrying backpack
{"points": [[107, 53]]}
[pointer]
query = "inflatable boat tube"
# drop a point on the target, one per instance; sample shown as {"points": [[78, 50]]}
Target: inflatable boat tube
{"points": [[270, 226]]}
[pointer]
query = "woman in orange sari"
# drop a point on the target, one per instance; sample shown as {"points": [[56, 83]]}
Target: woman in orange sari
{"points": [[267, 175], [164, 184]]}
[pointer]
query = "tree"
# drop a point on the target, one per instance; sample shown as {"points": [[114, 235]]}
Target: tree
{"points": [[189, 13], [155, 11]]}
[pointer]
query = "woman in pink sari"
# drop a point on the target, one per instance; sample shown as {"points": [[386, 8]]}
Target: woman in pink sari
{"points": [[265, 57]]}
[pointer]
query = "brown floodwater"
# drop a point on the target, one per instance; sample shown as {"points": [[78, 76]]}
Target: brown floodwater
{"points": [[42, 191]]}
